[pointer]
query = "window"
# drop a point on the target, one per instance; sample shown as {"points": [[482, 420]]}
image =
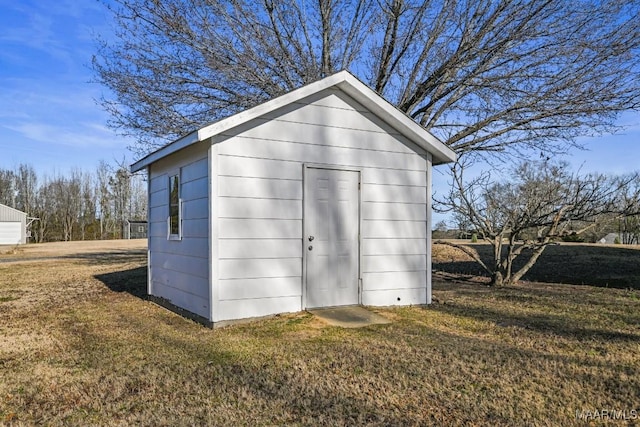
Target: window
{"points": [[174, 207]]}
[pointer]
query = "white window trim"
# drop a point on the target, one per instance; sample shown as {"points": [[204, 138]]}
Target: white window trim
{"points": [[176, 237]]}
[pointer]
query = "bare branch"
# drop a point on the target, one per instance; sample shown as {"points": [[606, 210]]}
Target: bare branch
{"points": [[540, 196], [493, 78], [473, 254]]}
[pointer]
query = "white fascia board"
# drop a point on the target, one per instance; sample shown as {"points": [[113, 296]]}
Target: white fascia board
{"points": [[397, 119], [176, 145]]}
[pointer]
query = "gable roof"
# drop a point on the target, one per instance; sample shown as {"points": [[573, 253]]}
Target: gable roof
{"points": [[342, 80]]}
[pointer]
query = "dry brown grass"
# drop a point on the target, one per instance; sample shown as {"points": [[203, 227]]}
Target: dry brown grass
{"points": [[77, 347]]}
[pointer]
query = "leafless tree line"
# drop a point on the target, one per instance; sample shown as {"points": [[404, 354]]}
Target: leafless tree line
{"points": [[484, 76], [79, 205], [541, 203]]}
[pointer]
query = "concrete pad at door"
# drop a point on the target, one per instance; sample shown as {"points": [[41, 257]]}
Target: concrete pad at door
{"points": [[352, 316]]}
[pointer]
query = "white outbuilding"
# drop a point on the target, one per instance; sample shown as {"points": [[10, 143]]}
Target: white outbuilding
{"points": [[318, 198], [13, 226]]}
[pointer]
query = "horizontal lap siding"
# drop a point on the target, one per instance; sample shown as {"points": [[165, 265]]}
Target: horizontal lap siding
{"points": [[260, 170], [259, 188], [273, 287], [231, 165], [242, 228], [304, 152], [259, 248], [257, 268], [257, 307], [397, 296], [394, 245], [411, 246], [394, 263], [179, 270], [386, 229], [252, 208]]}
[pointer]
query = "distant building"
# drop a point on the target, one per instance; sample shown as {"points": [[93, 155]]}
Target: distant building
{"points": [[13, 226], [134, 229], [613, 238]]}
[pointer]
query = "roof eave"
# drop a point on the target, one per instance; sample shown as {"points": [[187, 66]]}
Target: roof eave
{"points": [[176, 145]]}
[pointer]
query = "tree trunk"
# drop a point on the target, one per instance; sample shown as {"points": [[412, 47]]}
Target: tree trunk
{"points": [[534, 257], [497, 279]]}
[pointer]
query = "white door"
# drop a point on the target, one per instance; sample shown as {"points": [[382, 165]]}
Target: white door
{"points": [[10, 233], [331, 237]]}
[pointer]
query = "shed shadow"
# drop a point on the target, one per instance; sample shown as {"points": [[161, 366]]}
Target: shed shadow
{"points": [[575, 264], [132, 281], [544, 323]]}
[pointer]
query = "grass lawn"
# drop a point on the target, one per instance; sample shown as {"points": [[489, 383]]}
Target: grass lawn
{"points": [[79, 346]]}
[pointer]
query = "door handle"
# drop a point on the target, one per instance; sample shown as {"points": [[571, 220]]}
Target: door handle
{"points": [[310, 248], [311, 238]]}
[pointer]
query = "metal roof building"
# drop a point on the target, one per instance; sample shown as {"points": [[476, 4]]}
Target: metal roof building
{"points": [[13, 226]]}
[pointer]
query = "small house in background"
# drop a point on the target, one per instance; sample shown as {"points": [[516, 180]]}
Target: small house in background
{"points": [[132, 229], [318, 198], [619, 238], [13, 226]]}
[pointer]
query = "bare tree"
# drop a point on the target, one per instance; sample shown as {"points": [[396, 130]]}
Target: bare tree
{"points": [[43, 210], [77, 205], [7, 185], [629, 221], [138, 203], [521, 217], [629, 230], [107, 210], [66, 203], [484, 76], [120, 187], [87, 212], [26, 183]]}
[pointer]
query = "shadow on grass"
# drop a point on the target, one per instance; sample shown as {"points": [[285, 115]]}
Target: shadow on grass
{"points": [[546, 323], [571, 264], [132, 281], [109, 257], [354, 381]]}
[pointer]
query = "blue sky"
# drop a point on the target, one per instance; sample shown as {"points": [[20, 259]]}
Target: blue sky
{"points": [[48, 116]]}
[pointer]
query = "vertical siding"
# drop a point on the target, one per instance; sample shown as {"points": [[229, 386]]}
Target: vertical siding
{"points": [[260, 192], [10, 214], [179, 269]]}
